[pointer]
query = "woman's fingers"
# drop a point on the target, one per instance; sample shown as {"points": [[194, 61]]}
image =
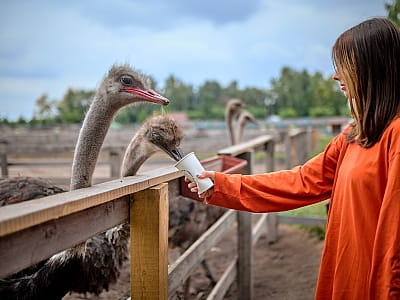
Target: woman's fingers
{"points": [[207, 174], [193, 186]]}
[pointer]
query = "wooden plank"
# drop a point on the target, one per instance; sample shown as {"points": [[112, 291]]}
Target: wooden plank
{"points": [[223, 284], [288, 152], [269, 159], [53, 236], [115, 164], [23, 215], [301, 220], [180, 270], [258, 229], [249, 157], [247, 146], [245, 283], [66, 181], [272, 227], [4, 164], [149, 243]]}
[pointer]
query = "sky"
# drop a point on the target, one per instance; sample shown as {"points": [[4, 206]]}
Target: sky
{"points": [[49, 46]]}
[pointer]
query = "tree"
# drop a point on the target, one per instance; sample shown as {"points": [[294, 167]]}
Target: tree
{"points": [[45, 109], [180, 94], [303, 94], [73, 106], [393, 10], [209, 95]]}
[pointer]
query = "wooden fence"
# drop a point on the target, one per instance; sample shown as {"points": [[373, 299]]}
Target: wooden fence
{"points": [[113, 154], [54, 223]]}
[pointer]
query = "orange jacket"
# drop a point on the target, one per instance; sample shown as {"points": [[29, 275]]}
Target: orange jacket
{"points": [[361, 257]]}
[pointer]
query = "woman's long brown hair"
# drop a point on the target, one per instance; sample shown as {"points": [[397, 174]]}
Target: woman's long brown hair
{"points": [[367, 60]]}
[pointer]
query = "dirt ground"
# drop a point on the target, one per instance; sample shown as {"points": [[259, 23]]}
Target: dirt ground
{"points": [[284, 270], [287, 269]]}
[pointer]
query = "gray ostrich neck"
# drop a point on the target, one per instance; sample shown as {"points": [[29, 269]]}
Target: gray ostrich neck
{"points": [[137, 152], [90, 140], [229, 122], [135, 155]]}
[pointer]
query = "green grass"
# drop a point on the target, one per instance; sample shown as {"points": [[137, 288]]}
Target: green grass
{"points": [[317, 210], [314, 210]]}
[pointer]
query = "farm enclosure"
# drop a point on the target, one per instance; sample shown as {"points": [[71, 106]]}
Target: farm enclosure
{"points": [[206, 142]]}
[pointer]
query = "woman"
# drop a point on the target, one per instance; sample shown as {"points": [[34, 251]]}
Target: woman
{"points": [[359, 171]]}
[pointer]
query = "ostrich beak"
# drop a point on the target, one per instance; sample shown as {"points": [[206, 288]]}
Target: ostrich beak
{"points": [[174, 152], [254, 121], [148, 95]]}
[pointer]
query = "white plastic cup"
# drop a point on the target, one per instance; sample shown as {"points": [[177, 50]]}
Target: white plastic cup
{"points": [[191, 167]]}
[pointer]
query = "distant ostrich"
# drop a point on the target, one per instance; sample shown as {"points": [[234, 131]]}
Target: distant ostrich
{"points": [[236, 118], [244, 118], [63, 271]]}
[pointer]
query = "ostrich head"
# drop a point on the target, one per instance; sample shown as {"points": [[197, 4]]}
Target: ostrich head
{"points": [[157, 133], [124, 85], [246, 117], [234, 107], [163, 132]]}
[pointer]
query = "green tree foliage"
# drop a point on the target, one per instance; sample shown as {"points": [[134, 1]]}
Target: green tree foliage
{"points": [[74, 104], [209, 95], [182, 94], [393, 10], [299, 94], [45, 111]]}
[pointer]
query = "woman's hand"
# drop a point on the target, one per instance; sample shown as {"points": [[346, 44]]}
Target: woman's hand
{"points": [[193, 186]]}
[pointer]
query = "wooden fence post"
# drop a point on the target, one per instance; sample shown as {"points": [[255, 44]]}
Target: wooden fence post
{"points": [[270, 151], [3, 159], [272, 218], [245, 244], [115, 163], [149, 243], [245, 254], [272, 227], [288, 151]]}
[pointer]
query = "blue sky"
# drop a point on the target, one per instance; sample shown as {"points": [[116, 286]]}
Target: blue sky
{"points": [[48, 46]]}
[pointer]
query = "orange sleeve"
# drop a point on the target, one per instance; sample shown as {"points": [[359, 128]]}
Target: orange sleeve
{"points": [[282, 190], [385, 272]]}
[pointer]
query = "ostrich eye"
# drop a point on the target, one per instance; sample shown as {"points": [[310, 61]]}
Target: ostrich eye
{"points": [[126, 80], [157, 136]]}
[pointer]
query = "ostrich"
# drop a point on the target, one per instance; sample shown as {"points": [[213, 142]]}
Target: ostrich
{"points": [[18, 189], [62, 272], [244, 118], [236, 118]]}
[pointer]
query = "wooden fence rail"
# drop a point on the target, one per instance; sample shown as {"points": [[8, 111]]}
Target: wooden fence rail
{"points": [[54, 223], [114, 161]]}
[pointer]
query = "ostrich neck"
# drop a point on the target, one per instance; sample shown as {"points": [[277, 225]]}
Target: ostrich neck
{"points": [[90, 140], [136, 154], [240, 132], [229, 123]]}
